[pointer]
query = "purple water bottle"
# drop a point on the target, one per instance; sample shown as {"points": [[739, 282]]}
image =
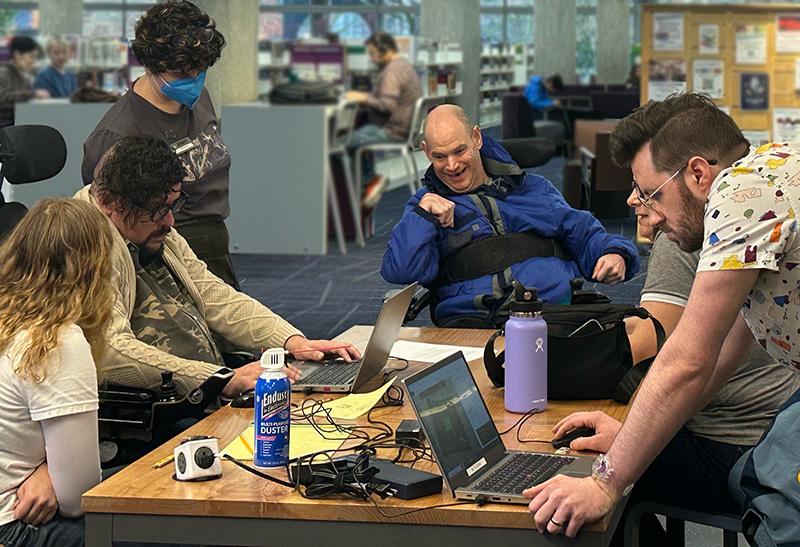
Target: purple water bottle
{"points": [[526, 353]]}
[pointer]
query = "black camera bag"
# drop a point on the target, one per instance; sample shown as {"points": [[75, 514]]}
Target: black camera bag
{"points": [[588, 352]]}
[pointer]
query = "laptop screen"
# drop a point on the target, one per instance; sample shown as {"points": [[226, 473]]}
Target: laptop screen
{"points": [[455, 419]]}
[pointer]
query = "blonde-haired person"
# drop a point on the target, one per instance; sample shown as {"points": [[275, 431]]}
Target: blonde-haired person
{"points": [[55, 78], [55, 303]]}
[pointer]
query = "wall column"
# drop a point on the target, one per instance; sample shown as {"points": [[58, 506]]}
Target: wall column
{"points": [[554, 38], [234, 78], [60, 17], [613, 41], [458, 21]]}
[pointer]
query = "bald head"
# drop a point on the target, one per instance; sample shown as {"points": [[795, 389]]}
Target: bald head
{"points": [[453, 145], [447, 115]]}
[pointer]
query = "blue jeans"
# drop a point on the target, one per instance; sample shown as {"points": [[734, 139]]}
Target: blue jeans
{"points": [[366, 134], [59, 532]]}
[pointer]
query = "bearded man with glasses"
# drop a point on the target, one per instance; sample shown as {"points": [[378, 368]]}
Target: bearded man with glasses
{"points": [[171, 313], [176, 43], [735, 203]]}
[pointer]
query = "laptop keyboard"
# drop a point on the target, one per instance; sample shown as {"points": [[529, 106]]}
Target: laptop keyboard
{"points": [[521, 471], [334, 374]]}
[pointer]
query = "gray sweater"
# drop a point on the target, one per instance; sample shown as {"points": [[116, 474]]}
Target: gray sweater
{"points": [[14, 88]]}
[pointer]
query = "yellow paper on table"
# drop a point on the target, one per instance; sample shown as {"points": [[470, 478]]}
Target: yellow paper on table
{"points": [[303, 439], [356, 404]]}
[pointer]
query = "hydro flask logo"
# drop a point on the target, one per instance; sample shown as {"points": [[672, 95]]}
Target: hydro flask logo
{"points": [[539, 344]]}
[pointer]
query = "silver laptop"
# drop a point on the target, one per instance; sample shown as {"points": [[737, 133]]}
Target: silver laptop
{"points": [[337, 376], [468, 449]]}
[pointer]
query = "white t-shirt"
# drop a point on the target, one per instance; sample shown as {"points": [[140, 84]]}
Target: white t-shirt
{"points": [[750, 223], [69, 388]]}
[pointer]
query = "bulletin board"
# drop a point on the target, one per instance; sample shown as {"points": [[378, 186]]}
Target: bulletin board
{"points": [[745, 56]]}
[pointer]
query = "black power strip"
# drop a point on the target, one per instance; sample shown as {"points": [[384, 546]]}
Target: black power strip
{"points": [[404, 482]]}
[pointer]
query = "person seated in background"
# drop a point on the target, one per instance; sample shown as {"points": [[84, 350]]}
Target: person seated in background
{"points": [[172, 313], [480, 222], [390, 106], [538, 92], [15, 77], [176, 43], [55, 303], [692, 470], [55, 78]]}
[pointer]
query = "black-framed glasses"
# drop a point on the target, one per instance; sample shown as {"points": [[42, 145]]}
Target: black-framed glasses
{"points": [[199, 36], [175, 207], [647, 199]]}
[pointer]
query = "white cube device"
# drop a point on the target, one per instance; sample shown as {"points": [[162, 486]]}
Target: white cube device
{"points": [[196, 460]]}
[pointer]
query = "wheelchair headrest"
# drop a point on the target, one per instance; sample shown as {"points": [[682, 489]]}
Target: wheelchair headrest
{"points": [[30, 153]]}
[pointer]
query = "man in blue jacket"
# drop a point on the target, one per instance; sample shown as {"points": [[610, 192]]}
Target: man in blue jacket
{"points": [[538, 91], [480, 222]]}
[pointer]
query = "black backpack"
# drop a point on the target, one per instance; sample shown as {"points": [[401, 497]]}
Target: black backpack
{"points": [[305, 92]]}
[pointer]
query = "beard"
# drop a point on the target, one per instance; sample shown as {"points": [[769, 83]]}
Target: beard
{"points": [[689, 230], [148, 254]]}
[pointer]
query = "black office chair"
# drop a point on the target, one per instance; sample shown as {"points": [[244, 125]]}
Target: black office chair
{"points": [[28, 153]]}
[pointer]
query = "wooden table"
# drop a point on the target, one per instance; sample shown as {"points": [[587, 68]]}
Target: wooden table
{"points": [[146, 505]]}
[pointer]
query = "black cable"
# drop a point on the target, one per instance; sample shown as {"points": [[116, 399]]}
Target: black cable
{"points": [[256, 472], [525, 417]]}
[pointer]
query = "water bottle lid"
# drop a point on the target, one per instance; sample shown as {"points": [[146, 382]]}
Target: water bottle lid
{"points": [[526, 299], [273, 359]]}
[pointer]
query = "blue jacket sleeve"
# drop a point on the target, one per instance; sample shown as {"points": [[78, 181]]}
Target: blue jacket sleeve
{"points": [[537, 94], [587, 239], [413, 250]]}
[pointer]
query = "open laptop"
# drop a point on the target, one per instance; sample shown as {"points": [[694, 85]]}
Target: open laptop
{"points": [[336, 376], [468, 449]]}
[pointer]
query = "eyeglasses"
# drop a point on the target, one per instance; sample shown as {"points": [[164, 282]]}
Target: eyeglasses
{"points": [[647, 200], [175, 207]]}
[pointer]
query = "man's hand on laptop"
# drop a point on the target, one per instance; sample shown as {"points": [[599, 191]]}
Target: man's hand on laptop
{"points": [[563, 504], [245, 377], [318, 348]]}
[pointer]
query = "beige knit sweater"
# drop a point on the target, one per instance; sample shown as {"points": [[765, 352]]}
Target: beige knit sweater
{"points": [[242, 321]]}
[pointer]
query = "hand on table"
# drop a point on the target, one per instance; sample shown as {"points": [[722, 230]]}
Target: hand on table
{"points": [[36, 500], [605, 427], [443, 209], [609, 269], [563, 504]]}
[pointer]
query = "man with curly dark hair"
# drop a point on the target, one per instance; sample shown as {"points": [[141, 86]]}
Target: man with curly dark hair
{"points": [[176, 43], [171, 313]]}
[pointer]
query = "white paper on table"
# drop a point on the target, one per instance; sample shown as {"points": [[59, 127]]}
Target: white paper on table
{"points": [[431, 353]]}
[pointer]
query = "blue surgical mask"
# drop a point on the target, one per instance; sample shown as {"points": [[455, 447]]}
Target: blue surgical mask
{"points": [[186, 90]]}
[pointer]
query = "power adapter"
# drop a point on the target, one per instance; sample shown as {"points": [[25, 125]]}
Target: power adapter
{"points": [[403, 482], [409, 429]]}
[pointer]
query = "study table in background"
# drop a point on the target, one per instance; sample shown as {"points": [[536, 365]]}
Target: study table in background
{"points": [[143, 504]]}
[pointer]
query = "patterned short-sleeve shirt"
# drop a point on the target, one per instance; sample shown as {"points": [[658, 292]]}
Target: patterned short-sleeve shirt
{"points": [[750, 223]]}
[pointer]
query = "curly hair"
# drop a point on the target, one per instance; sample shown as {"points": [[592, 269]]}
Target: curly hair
{"points": [[176, 35], [55, 270], [135, 176]]}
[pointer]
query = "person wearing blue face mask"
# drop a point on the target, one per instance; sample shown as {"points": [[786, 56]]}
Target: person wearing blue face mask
{"points": [[176, 43]]}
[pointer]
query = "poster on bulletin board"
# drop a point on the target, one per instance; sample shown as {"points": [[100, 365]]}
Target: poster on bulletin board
{"points": [[754, 91], [787, 33], [665, 76], [667, 32], [707, 77], [786, 124], [708, 39], [751, 44]]}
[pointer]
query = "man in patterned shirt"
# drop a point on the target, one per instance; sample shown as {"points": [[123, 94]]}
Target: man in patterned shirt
{"points": [[707, 189]]}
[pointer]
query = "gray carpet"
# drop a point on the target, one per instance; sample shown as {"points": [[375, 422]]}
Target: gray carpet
{"points": [[325, 295]]}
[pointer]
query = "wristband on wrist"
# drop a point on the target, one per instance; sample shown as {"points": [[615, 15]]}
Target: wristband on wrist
{"points": [[602, 471]]}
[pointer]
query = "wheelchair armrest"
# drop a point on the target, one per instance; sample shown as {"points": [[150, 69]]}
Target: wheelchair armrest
{"points": [[419, 302], [126, 408], [236, 359]]}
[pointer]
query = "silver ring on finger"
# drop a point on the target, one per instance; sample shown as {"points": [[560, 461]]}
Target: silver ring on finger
{"points": [[556, 523]]}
